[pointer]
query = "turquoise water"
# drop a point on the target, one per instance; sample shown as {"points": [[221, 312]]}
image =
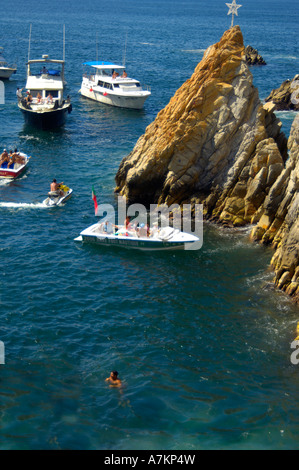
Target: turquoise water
{"points": [[200, 339]]}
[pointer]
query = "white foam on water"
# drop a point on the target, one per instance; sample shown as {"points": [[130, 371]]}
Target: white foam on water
{"points": [[201, 51], [4, 182], [22, 205]]}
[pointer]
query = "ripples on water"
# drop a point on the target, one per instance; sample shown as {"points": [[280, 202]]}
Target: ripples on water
{"points": [[201, 339]]}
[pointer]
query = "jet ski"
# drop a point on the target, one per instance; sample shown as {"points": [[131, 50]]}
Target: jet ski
{"points": [[56, 198]]}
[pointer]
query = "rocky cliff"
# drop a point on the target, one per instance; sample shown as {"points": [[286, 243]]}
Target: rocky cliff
{"points": [[215, 143], [286, 97], [279, 221]]}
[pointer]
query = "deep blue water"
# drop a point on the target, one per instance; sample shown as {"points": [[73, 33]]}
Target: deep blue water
{"points": [[200, 339]]}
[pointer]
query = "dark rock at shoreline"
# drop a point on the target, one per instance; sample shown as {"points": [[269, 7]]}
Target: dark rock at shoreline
{"points": [[286, 97], [252, 57]]}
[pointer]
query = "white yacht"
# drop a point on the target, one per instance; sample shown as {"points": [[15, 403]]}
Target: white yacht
{"points": [[5, 70], [108, 83], [44, 105]]}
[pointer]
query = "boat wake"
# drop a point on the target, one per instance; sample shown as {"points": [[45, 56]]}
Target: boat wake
{"points": [[22, 205], [5, 182]]}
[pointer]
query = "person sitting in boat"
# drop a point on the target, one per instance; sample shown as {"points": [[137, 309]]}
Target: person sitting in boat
{"points": [[18, 158], [4, 157], [127, 223], [115, 74], [44, 70], [144, 230], [55, 188], [12, 159], [49, 98], [107, 227], [39, 97], [29, 97], [124, 74]]}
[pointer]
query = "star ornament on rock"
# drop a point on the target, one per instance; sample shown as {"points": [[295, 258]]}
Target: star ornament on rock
{"points": [[233, 10]]}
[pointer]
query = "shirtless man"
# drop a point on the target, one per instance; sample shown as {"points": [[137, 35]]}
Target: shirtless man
{"points": [[18, 158], [4, 157], [113, 379], [55, 187]]}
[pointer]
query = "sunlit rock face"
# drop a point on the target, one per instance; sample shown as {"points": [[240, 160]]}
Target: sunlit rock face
{"points": [[216, 144], [279, 221], [202, 144], [286, 97]]}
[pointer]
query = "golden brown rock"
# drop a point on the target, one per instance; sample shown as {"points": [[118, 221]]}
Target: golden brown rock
{"points": [[216, 144]]}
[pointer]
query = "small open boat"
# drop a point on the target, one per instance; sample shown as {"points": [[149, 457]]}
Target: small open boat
{"points": [[166, 238], [16, 169], [56, 198]]}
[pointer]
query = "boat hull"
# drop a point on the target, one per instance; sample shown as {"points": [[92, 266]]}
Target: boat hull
{"points": [[49, 119], [93, 236], [6, 73], [129, 102]]}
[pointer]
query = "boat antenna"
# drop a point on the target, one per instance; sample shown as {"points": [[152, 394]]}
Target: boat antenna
{"points": [[64, 42], [29, 41], [97, 47], [125, 51]]}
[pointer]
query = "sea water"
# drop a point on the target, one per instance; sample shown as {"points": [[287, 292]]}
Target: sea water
{"points": [[200, 339]]}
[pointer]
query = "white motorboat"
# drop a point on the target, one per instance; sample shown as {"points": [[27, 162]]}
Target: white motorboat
{"points": [[108, 83], [166, 238], [6, 71], [44, 106], [56, 198], [17, 167]]}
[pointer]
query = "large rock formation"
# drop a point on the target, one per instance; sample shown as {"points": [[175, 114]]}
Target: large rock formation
{"points": [[279, 221], [215, 143], [210, 142], [252, 56], [286, 97]]}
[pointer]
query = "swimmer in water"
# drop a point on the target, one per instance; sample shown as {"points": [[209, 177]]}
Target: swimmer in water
{"points": [[113, 380]]}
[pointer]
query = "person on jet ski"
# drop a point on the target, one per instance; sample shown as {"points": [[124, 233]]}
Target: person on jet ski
{"points": [[55, 188]]}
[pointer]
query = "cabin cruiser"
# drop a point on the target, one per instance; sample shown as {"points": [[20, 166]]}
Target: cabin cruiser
{"points": [[108, 83], [140, 238], [44, 106], [5, 70]]}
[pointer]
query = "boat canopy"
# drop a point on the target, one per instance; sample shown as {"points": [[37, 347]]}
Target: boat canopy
{"points": [[104, 65], [45, 60]]}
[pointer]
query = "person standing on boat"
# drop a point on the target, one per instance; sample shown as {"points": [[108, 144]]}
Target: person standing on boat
{"points": [[19, 93], [49, 98]]}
